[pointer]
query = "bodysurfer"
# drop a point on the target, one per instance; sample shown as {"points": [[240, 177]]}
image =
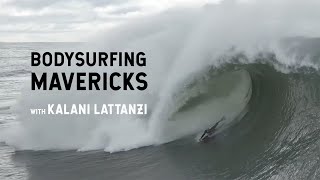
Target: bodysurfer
{"points": [[208, 133]]}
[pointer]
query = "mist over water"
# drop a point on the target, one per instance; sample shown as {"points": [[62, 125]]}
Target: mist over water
{"points": [[255, 63], [188, 50]]}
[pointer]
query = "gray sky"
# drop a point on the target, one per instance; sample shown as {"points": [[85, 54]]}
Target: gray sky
{"points": [[78, 20], [73, 20]]}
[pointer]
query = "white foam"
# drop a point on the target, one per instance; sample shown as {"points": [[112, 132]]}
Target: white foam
{"points": [[180, 44]]}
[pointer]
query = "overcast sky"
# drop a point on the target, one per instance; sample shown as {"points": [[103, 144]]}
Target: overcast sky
{"points": [[78, 20], [73, 20]]}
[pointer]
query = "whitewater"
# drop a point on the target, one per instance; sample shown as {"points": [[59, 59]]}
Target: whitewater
{"points": [[202, 63]]}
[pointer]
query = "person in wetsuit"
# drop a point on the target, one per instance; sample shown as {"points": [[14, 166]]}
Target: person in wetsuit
{"points": [[209, 132]]}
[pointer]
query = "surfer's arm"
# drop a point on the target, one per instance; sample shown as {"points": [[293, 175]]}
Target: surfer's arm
{"points": [[215, 126]]}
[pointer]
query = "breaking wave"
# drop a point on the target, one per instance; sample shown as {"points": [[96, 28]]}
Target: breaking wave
{"points": [[202, 66]]}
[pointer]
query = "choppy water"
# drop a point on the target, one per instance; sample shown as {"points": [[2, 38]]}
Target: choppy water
{"points": [[254, 64], [278, 138]]}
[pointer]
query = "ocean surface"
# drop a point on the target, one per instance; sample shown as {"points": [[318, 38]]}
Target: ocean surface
{"points": [[254, 65], [276, 134]]}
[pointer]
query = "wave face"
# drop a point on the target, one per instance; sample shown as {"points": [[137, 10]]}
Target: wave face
{"points": [[284, 117], [202, 65]]}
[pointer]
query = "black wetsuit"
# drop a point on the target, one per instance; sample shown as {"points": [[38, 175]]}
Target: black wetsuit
{"points": [[210, 131]]}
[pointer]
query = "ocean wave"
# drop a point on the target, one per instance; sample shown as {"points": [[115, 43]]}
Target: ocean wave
{"points": [[200, 69]]}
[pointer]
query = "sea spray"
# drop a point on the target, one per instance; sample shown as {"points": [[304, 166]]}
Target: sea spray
{"points": [[182, 45]]}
